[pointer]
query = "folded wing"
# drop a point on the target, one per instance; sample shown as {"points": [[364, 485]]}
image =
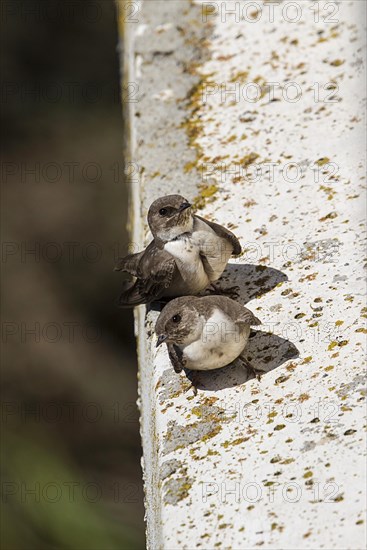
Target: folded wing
{"points": [[247, 318], [224, 233], [154, 270]]}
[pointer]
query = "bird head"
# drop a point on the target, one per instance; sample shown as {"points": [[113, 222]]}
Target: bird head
{"points": [[169, 217], [179, 322]]}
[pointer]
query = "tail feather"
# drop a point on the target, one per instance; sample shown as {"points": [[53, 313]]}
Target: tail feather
{"points": [[130, 297], [141, 292], [129, 264], [249, 318]]}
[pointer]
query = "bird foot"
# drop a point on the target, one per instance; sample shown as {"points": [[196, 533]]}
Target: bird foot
{"points": [[257, 373], [231, 291], [194, 379]]}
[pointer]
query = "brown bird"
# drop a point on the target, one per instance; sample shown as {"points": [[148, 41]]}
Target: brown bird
{"points": [[205, 333], [187, 254]]}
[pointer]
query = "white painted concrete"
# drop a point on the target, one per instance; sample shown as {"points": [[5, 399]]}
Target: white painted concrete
{"points": [[280, 463]]}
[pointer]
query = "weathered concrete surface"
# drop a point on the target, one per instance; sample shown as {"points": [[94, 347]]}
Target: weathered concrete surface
{"points": [[280, 463]]}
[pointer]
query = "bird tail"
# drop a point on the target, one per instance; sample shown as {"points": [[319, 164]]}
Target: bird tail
{"points": [[128, 264], [248, 318], [252, 320], [130, 297]]}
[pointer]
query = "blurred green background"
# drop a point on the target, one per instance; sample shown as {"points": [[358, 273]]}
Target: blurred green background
{"points": [[71, 475]]}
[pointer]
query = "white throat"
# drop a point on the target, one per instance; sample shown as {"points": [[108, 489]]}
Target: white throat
{"points": [[174, 232]]}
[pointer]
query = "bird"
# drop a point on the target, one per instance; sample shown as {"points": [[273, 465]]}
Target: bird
{"points": [[205, 333], [187, 254]]}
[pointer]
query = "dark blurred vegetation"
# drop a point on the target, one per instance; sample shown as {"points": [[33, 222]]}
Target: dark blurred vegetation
{"points": [[71, 476]]}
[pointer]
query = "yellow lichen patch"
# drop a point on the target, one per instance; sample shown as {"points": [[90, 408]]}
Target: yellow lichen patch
{"points": [[280, 380], [322, 161], [193, 124], [337, 62], [212, 453], [310, 277], [208, 10], [262, 82], [211, 434], [329, 191], [333, 344], [190, 166], [225, 57], [237, 441], [247, 160], [279, 427], [183, 491], [287, 460], [300, 315], [291, 367], [210, 400], [205, 192], [330, 216], [240, 76], [197, 411]]}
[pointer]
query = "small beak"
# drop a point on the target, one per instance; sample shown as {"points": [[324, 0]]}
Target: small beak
{"points": [[161, 339], [184, 205]]}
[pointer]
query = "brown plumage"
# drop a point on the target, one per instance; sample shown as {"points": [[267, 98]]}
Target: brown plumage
{"points": [[188, 253], [204, 333]]}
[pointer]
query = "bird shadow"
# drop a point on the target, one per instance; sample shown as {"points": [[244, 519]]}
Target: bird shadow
{"points": [[265, 352], [252, 280]]}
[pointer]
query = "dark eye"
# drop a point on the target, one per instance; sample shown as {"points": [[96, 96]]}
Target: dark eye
{"points": [[163, 211], [176, 318]]}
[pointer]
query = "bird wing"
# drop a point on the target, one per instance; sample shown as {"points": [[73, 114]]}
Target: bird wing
{"points": [[247, 318], [129, 263], [155, 271], [176, 357], [235, 311], [224, 234]]}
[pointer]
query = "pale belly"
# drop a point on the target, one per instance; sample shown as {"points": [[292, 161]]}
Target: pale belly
{"points": [[190, 265], [221, 342], [196, 275], [216, 250]]}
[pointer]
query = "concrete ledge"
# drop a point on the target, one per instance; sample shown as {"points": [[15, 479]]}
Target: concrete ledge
{"points": [[281, 463]]}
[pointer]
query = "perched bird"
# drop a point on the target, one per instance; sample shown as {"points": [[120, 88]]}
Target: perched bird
{"points": [[205, 333], [187, 254]]}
